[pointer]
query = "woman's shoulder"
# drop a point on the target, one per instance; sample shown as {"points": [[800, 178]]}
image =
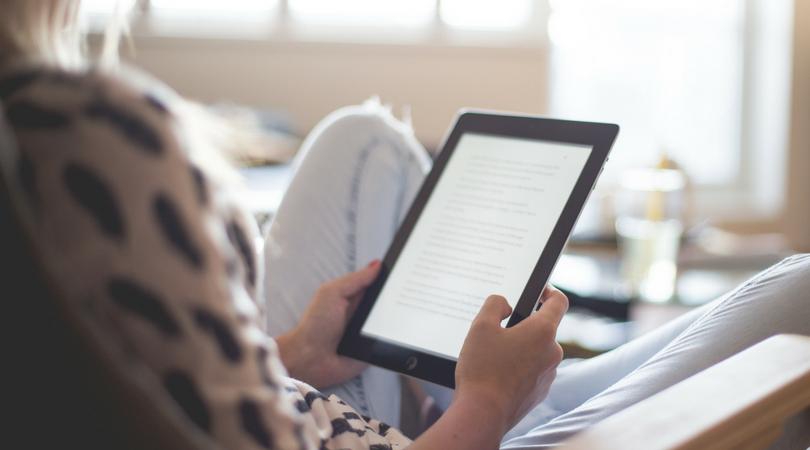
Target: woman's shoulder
{"points": [[29, 77], [39, 97]]}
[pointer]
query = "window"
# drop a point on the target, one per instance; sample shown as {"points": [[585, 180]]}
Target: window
{"points": [[453, 14], [684, 78], [215, 8], [670, 72], [706, 82], [104, 7], [365, 12], [502, 14]]}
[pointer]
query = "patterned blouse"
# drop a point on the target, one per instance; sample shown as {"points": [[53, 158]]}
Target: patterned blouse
{"points": [[141, 241]]}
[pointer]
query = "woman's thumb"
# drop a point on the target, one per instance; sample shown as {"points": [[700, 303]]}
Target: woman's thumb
{"points": [[495, 308], [356, 281]]}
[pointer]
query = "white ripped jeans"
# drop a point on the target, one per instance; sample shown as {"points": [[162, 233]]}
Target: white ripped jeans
{"points": [[355, 178]]}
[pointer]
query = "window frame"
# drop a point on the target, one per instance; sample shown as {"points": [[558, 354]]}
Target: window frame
{"points": [[281, 26], [759, 193]]}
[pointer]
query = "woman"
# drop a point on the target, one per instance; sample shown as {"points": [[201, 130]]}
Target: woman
{"points": [[125, 224], [104, 174]]}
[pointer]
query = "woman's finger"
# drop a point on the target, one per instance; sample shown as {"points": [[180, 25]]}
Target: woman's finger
{"points": [[548, 291], [351, 284], [555, 304], [495, 309]]}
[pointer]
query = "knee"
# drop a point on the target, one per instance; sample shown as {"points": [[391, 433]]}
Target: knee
{"points": [[789, 278], [797, 266], [370, 119], [361, 126]]}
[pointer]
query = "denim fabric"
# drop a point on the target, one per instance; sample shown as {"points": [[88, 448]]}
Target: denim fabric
{"points": [[775, 301], [355, 178]]}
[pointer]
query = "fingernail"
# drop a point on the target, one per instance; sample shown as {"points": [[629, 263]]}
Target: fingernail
{"points": [[373, 263]]}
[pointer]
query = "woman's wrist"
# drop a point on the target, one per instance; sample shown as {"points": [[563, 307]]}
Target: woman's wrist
{"points": [[292, 352], [487, 407], [471, 422]]}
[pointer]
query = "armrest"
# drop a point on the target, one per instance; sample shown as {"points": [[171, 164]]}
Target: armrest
{"points": [[739, 403]]}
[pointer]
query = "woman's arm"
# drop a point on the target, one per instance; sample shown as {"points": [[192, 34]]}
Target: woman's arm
{"points": [[309, 351], [501, 374]]}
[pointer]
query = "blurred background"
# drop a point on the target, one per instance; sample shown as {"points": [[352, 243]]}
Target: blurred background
{"points": [[715, 90]]}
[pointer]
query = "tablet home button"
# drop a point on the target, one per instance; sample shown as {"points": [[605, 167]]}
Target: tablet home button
{"points": [[411, 363]]}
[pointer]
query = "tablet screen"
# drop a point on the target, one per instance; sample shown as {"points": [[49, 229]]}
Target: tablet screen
{"points": [[481, 232]]}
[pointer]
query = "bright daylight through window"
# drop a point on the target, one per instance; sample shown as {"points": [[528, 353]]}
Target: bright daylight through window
{"points": [[205, 7], [485, 14], [365, 12], [703, 83], [104, 6], [670, 72], [480, 14]]}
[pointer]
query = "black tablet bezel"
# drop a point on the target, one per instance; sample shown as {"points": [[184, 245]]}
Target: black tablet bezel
{"points": [[438, 369]]}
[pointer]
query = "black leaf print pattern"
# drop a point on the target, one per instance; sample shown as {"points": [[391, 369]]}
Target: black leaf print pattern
{"points": [[27, 115], [200, 185], [221, 333], [143, 303], [12, 84], [94, 195], [252, 423], [174, 229], [184, 392], [340, 426], [239, 239], [314, 395], [302, 406], [128, 124], [384, 427]]}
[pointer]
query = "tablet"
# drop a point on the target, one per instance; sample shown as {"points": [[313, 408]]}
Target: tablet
{"points": [[492, 217]]}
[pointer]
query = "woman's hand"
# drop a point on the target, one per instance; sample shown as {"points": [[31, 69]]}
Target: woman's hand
{"points": [[309, 351], [502, 373], [511, 369]]}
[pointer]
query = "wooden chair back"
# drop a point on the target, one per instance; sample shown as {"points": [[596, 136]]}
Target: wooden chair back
{"points": [[737, 404]]}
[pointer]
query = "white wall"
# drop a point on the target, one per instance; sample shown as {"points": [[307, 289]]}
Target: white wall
{"points": [[311, 79]]}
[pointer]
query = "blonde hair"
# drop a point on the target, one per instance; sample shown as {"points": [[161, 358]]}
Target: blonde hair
{"points": [[51, 31]]}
